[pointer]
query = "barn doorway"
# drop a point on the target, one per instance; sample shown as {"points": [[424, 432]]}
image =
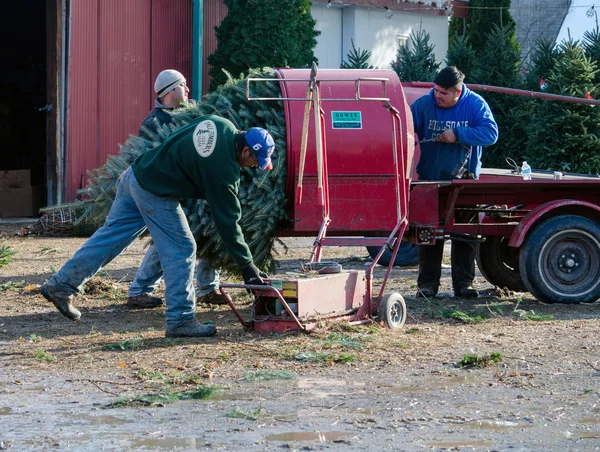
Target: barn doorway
{"points": [[28, 107]]}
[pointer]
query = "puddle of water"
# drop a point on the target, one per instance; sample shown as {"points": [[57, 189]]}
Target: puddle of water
{"points": [[311, 383], [496, 425], [404, 389], [34, 388], [585, 420], [307, 436], [166, 443], [456, 444], [96, 420], [369, 411], [590, 435], [5, 410], [468, 379], [231, 396]]}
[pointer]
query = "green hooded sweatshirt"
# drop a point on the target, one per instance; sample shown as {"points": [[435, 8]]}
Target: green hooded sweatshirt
{"points": [[200, 161]]}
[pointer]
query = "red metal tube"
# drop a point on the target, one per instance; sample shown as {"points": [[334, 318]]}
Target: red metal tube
{"points": [[516, 92]]}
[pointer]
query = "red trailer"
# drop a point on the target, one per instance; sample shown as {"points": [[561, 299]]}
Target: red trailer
{"points": [[351, 185]]}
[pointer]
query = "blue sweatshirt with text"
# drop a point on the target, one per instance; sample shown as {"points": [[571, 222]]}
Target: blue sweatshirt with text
{"points": [[473, 124]]}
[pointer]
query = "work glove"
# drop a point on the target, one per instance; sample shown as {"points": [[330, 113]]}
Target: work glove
{"points": [[252, 275]]}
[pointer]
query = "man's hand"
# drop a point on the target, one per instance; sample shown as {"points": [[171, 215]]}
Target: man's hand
{"points": [[253, 276], [447, 137]]}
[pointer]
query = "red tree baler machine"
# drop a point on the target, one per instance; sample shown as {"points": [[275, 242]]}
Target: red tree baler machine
{"points": [[349, 151], [350, 154]]}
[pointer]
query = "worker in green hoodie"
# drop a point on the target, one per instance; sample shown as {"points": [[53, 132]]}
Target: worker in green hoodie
{"points": [[202, 160]]}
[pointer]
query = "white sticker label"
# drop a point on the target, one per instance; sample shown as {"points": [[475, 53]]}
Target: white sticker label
{"points": [[205, 138]]}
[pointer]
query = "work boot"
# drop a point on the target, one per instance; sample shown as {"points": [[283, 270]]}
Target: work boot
{"points": [[466, 292], [62, 303], [143, 301], [426, 292], [214, 297], [192, 328]]}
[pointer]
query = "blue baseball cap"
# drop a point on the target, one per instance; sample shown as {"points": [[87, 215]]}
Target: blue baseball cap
{"points": [[261, 142]]}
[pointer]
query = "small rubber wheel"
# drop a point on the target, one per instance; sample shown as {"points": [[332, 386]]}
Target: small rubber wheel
{"points": [[560, 260], [408, 254], [392, 311]]}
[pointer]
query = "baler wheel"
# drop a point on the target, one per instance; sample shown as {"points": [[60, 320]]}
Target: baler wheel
{"points": [[392, 311], [560, 260], [499, 264]]}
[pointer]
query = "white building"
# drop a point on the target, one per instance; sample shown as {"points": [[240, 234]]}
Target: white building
{"points": [[377, 26]]}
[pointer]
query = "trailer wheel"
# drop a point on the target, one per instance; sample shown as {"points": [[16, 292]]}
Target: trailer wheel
{"points": [[499, 263], [560, 260], [408, 254], [392, 311]]}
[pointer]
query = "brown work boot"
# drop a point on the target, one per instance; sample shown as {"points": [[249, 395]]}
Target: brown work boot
{"points": [[466, 292], [214, 297], [61, 301], [192, 328], [143, 301]]}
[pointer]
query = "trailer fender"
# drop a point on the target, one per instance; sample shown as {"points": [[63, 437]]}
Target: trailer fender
{"points": [[518, 235]]}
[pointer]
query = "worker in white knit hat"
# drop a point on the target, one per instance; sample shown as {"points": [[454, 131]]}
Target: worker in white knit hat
{"points": [[172, 92]]}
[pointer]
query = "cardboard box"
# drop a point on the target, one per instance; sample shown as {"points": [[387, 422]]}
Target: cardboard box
{"points": [[15, 179], [20, 202]]}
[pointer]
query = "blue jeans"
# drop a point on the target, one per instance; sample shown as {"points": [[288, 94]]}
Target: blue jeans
{"points": [[150, 272], [133, 210]]}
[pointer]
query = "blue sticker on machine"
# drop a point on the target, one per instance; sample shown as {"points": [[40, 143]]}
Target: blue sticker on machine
{"points": [[346, 119]]}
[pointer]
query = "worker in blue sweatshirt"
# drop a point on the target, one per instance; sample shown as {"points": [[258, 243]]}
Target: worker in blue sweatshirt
{"points": [[455, 124]]}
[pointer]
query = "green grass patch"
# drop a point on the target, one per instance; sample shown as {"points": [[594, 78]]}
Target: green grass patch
{"points": [[480, 361], [265, 375], [11, 285], [325, 357], [6, 254], [334, 340], [173, 378], [35, 338], [464, 317], [252, 415], [162, 399], [43, 356], [521, 314], [48, 250], [126, 345]]}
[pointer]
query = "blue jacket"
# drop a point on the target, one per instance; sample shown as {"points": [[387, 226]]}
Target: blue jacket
{"points": [[473, 124]]}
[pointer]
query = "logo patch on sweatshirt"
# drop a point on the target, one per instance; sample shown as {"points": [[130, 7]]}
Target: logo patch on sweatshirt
{"points": [[205, 138]]}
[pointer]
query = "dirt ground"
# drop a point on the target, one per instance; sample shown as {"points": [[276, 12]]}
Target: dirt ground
{"points": [[113, 382]]}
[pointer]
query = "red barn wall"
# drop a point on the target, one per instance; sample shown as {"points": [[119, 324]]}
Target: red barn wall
{"points": [[117, 47]]}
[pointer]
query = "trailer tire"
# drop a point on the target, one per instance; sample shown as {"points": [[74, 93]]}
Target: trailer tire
{"points": [[560, 260], [499, 263], [408, 255], [392, 311]]}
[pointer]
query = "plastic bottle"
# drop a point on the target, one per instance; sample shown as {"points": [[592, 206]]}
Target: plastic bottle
{"points": [[526, 171]]}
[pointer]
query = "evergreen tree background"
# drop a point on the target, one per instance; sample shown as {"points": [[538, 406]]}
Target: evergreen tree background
{"points": [[357, 59], [482, 15], [543, 61], [416, 63], [259, 33], [463, 56], [498, 65], [564, 136]]}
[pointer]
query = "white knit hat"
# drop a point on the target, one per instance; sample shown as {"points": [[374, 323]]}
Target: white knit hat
{"points": [[167, 81]]}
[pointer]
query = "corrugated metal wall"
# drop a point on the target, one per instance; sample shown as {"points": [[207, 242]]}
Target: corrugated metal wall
{"points": [[214, 12], [117, 47]]}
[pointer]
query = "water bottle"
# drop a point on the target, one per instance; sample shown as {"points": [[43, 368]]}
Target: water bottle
{"points": [[526, 171]]}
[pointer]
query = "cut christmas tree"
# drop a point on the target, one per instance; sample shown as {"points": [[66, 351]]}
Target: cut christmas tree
{"points": [[261, 194]]}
